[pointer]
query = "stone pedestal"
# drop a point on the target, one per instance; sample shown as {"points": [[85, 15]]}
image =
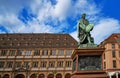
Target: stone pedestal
{"points": [[87, 63]]}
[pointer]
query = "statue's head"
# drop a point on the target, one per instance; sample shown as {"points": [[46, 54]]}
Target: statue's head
{"points": [[83, 15]]}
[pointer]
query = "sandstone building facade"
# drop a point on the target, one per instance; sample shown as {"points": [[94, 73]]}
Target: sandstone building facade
{"points": [[36, 55], [111, 56]]}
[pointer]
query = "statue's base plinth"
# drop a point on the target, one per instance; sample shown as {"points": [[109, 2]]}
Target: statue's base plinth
{"points": [[87, 63], [89, 74], [87, 46]]}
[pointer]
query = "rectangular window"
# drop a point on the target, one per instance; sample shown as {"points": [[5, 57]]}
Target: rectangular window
{"points": [[104, 65], [35, 64], [43, 64], [68, 64], [37, 53], [26, 63], [60, 64], [68, 52], [44, 52], [9, 64], [104, 55], [113, 54], [28, 52], [2, 64], [52, 52], [4, 52], [114, 63], [74, 65], [113, 46], [11, 52], [60, 52], [20, 52], [52, 64], [18, 64]]}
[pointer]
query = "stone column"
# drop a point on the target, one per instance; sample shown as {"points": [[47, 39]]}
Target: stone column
{"points": [[110, 76], [2, 75], [116, 75], [77, 67]]}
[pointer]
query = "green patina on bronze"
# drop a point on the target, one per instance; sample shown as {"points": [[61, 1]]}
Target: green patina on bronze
{"points": [[84, 28]]}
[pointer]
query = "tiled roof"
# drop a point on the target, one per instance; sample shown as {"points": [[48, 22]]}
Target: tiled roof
{"points": [[111, 39], [37, 40]]}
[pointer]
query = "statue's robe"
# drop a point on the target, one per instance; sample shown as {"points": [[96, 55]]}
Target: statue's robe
{"points": [[84, 29]]}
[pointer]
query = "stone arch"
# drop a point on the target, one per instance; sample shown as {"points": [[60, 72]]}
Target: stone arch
{"points": [[59, 75], [33, 76], [19, 76], [68, 75], [50, 76], [41, 76], [6, 76]]}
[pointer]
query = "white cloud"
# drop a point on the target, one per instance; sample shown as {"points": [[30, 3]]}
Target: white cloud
{"points": [[10, 12], [12, 7], [37, 28], [105, 28], [62, 9], [11, 22], [85, 6], [45, 12], [74, 35]]}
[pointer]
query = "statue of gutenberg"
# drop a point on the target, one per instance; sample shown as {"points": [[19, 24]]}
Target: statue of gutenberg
{"points": [[84, 28]]}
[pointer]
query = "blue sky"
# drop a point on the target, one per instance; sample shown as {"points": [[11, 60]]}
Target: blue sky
{"points": [[59, 16]]}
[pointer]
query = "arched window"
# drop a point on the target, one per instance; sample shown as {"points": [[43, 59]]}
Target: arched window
{"points": [[59, 76], [67, 75], [50, 76], [33, 76], [6, 76], [41, 76], [20, 76]]}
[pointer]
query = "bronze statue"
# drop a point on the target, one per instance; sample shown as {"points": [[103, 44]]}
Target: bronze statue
{"points": [[84, 28]]}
